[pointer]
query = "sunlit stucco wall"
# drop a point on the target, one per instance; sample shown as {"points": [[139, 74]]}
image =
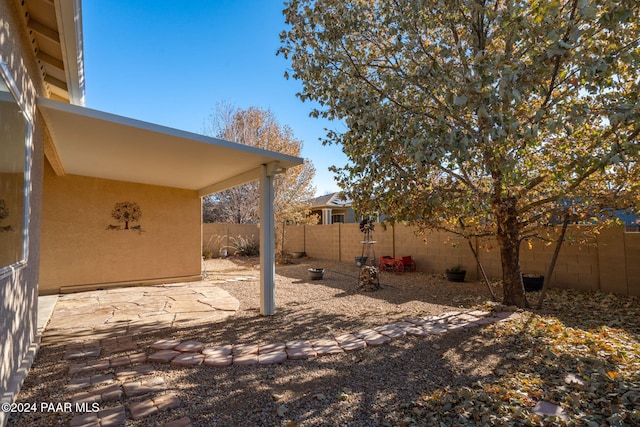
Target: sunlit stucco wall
{"points": [[19, 286], [86, 242]]}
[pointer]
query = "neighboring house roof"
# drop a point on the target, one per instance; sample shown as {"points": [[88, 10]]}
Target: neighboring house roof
{"points": [[333, 200]]}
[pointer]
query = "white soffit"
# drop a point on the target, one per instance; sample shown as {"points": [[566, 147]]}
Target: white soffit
{"points": [[55, 31], [102, 145]]}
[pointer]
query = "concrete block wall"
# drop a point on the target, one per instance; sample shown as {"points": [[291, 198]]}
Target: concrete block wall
{"points": [[219, 236], [608, 262], [578, 266], [632, 251], [323, 241], [294, 238], [445, 250], [612, 259], [489, 254]]}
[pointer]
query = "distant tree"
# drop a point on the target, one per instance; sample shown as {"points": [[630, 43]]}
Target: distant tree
{"points": [[232, 205], [126, 212], [479, 117], [210, 212], [293, 190]]}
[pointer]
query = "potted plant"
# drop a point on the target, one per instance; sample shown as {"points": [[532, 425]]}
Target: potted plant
{"points": [[315, 273], [532, 282], [456, 273]]}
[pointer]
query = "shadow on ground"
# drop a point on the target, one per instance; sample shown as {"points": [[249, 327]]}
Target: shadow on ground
{"points": [[395, 288], [360, 388]]}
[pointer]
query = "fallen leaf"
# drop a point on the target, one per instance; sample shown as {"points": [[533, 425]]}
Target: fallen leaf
{"points": [[281, 410]]}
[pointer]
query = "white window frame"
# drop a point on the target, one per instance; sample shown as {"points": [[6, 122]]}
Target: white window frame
{"points": [[7, 270]]}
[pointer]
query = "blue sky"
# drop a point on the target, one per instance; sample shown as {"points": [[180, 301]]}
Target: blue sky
{"points": [[171, 62]]}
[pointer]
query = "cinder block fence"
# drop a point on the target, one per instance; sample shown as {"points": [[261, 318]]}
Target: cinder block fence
{"points": [[608, 262]]}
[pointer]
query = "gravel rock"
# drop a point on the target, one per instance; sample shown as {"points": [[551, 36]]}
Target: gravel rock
{"points": [[357, 388]]}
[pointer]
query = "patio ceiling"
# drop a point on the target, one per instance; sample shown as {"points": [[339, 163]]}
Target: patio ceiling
{"points": [[96, 144]]}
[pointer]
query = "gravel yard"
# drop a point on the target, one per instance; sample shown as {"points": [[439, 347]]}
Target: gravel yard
{"points": [[358, 388], [314, 308], [384, 385]]}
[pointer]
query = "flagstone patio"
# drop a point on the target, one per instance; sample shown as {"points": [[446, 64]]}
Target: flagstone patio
{"points": [[129, 311]]}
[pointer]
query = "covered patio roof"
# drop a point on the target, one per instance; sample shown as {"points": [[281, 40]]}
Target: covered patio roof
{"points": [[93, 143], [96, 144]]}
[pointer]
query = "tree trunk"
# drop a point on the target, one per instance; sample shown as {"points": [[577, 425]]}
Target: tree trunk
{"points": [[508, 235], [552, 265]]}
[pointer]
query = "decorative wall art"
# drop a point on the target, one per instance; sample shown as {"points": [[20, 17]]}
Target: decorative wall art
{"points": [[4, 213], [126, 213]]}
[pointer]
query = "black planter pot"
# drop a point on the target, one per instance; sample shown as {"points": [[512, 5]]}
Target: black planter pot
{"points": [[456, 275], [315, 273], [532, 283]]}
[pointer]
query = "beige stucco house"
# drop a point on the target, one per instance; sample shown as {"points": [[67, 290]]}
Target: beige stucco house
{"points": [[90, 199], [332, 209]]}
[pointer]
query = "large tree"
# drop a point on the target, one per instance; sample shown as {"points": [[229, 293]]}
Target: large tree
{"points": [[293, 190], [479, 117]]}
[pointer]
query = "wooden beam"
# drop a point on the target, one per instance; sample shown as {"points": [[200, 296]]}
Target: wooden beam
{"points": [[50, 60], [55, 82], [43, 30], [51, 153]]}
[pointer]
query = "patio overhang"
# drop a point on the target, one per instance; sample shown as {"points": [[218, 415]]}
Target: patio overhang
{"points": [[96, 144]]}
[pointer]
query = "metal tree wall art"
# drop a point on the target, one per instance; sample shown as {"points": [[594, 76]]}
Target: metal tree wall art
{"points": [[126, 212], [4, 212]]}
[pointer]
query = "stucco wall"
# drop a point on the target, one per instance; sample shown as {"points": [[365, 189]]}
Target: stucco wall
{"points": [[84, 246], [18, 287]]}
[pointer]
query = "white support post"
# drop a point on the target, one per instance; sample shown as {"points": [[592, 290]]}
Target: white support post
{"points": [[326, 215], [267, 241]]}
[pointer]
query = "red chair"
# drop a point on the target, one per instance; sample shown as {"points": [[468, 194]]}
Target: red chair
{"points": [[408, 263], [390, 264]]}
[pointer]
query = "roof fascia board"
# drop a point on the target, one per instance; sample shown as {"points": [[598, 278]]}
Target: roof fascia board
{"points": [[69, 17]]}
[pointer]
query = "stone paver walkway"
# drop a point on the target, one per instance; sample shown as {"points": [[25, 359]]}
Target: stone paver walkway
{"points": [[99, 376], [194, 353], [101, 385]]}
